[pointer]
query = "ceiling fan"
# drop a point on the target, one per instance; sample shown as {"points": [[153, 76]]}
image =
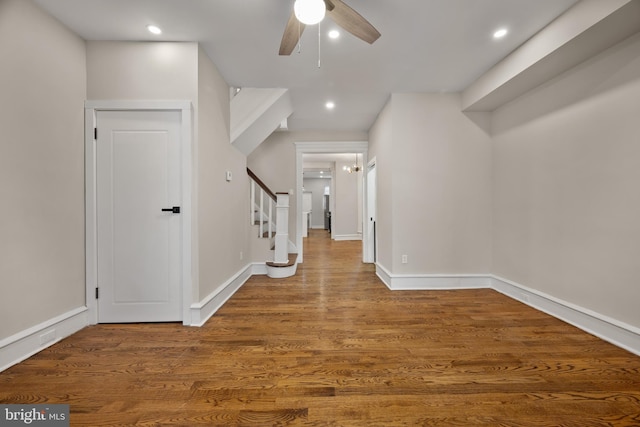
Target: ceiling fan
{"points": [[342, 14]]}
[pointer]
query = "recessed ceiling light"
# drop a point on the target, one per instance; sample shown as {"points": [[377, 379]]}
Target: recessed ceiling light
{"points": [[330, 105], [154, 30], [334, 34], [500, 33]]}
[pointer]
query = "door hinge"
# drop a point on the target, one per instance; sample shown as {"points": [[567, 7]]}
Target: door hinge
{"points": [[97, 293], [95, 133]]}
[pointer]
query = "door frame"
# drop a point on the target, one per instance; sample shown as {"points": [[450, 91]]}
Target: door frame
{"points": [[303, 147], [91, 108], [372, 243]]}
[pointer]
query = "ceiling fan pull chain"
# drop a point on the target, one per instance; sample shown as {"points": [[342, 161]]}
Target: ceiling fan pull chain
{"points": [[299, 38]]}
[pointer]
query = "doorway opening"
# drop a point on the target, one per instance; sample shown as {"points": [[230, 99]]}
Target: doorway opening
{"points": [[317, 195], [347, 193]]}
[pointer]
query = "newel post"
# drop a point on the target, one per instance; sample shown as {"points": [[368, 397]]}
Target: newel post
{"points": [[282, 229]]}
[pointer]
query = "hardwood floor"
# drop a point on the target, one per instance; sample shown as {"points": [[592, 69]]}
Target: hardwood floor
{"points": [[332, 346]]}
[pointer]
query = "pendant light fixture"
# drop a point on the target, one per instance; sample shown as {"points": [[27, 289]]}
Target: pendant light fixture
{"points": [[354, 168], [309, 12]]}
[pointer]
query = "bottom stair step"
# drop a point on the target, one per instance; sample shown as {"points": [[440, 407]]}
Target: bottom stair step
{"points": [[278, 270], [289, 263]]}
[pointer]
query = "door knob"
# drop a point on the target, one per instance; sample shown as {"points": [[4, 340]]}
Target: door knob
{"points": [[175, 209]]}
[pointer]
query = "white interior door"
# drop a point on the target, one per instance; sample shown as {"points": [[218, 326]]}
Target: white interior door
{"points": [[371, 213], [139, 240]]}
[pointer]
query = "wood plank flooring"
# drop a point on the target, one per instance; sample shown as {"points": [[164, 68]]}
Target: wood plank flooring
{"points": [[332, 346]]}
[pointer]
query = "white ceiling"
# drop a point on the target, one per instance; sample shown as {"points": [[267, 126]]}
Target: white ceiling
{"points": [[426, 46]]}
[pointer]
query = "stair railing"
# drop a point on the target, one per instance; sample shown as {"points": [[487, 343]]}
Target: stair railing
{"points": [[261, 195]]}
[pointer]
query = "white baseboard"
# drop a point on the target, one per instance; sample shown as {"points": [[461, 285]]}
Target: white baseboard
{"points": [[25, 344], [203, 310], [405, 282], [611, 330], [347, 236], [259, 268]]}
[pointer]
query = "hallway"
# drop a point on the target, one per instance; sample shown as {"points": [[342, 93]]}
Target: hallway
{"points": [[333, 346], [343, 256]]}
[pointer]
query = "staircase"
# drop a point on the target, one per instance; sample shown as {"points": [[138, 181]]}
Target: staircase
{"points": [[256, 114], [270, 219]]}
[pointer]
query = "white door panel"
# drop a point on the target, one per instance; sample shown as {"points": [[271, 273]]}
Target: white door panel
{"points": [[139, 245]]}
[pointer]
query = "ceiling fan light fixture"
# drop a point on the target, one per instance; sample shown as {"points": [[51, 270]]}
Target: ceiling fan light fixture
{"points": [[309, 12]]}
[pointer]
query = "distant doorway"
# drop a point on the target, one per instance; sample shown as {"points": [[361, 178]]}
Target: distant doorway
{"points": [[317, 200], [302, 148]]}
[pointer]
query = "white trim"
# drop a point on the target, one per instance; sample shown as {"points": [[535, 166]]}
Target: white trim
{"points": [[401, 282], [611, 330], [357, 236], [384, 275], [369, 251], [259, 269], [189, 259], [115, 104], [203, 310], [307, 147], [281, 272], [24, 344], [90, 214]]}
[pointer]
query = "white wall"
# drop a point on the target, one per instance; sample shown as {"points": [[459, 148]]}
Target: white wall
{"points": [[223, 207], [434, 186], [142, 70], [42, 93], [566, 174], [381, 147]]}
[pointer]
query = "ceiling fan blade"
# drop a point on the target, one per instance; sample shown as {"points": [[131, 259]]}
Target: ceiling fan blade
{"points": [[352, 21], [291, 35], [329, 5]]}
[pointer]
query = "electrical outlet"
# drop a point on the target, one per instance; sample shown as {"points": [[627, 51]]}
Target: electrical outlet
{"points": [[405, 259], [241, 255]]}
